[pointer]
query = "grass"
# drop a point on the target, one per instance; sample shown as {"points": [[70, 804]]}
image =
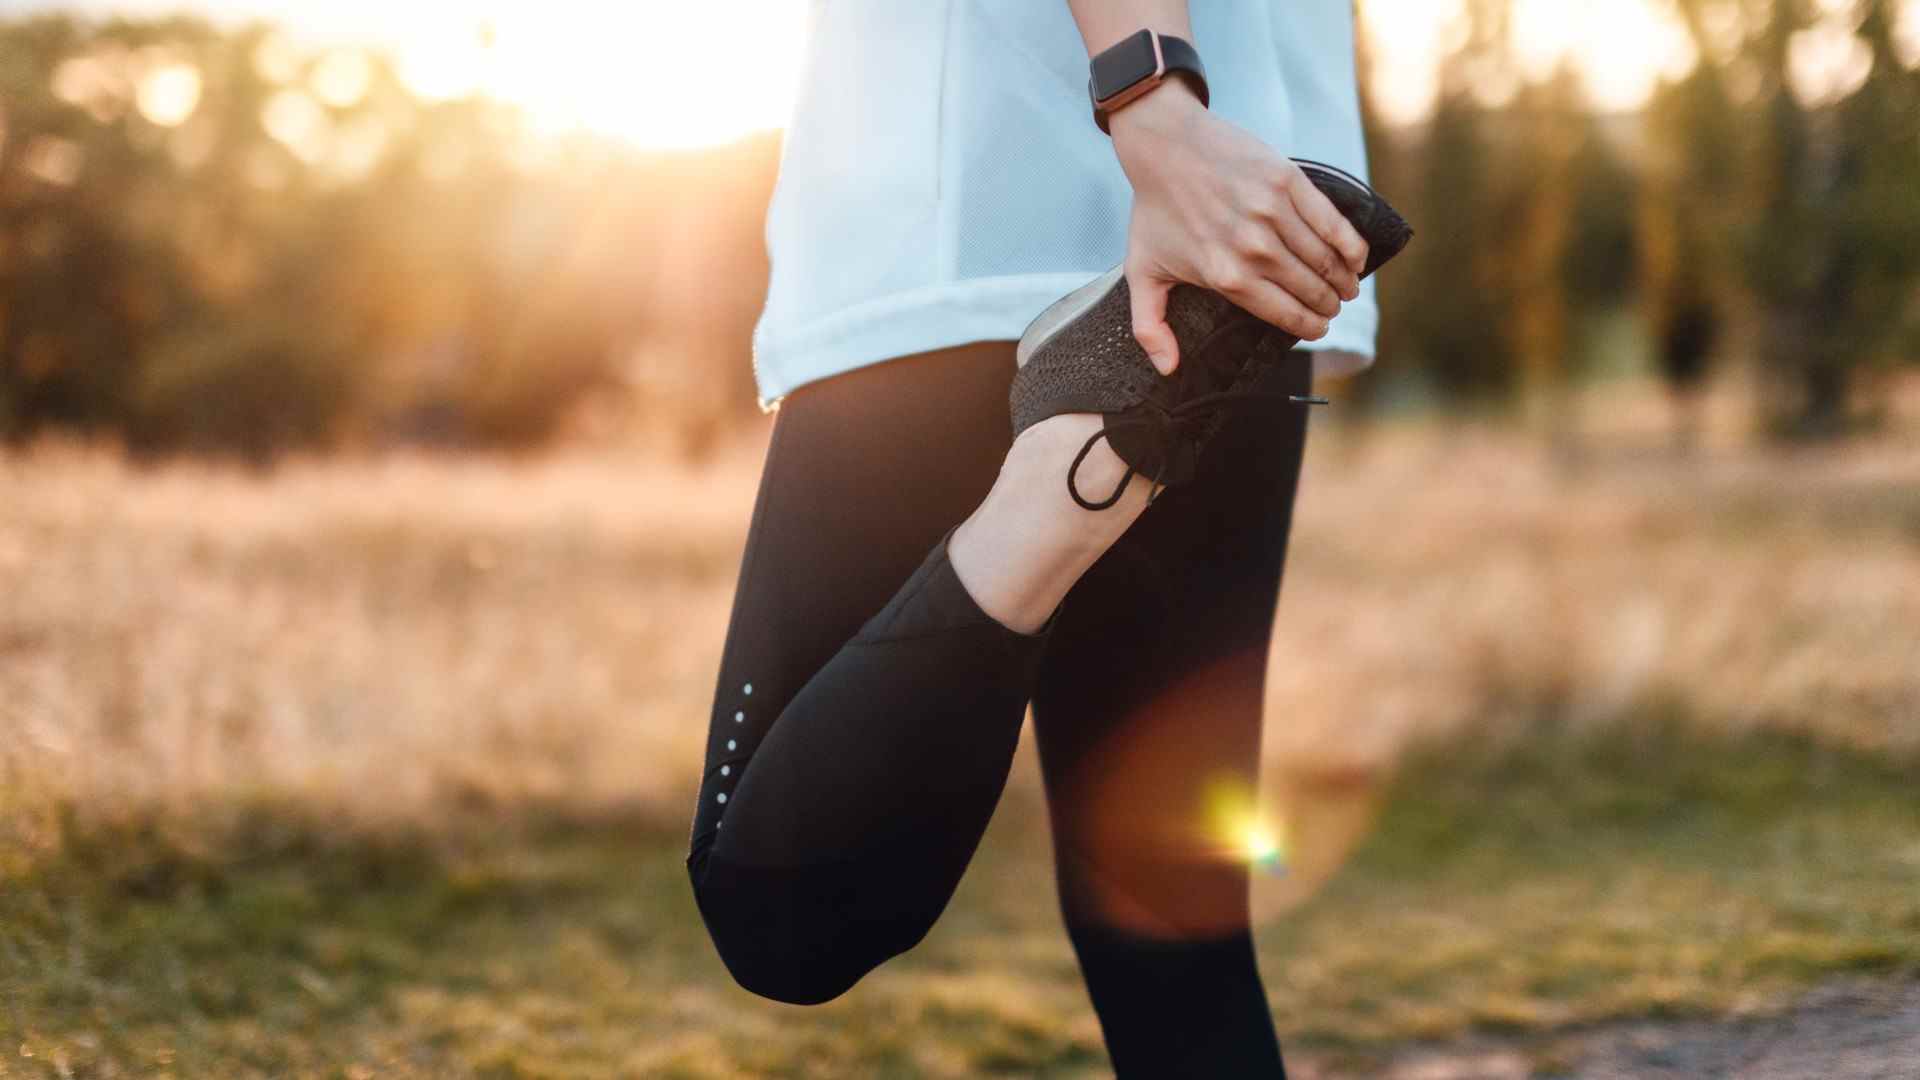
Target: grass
{"points": [[1524, 889], [381, 767], [1572, 878]]}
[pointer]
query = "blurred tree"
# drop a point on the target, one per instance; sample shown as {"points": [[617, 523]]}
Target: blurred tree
{"points": [[71, 273], [214, 241], [1544, 134], [248, 387], [1691, 205], [1831, 249], [1600, 261], [1448, 308], [1878, 129], [1525, 209]]}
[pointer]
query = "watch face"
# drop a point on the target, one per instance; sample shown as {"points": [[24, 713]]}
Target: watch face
{"points": [[1123, 65]]}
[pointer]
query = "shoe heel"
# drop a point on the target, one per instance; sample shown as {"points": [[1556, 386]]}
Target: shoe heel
{"points": [[1061, 312], [1385, 231]]}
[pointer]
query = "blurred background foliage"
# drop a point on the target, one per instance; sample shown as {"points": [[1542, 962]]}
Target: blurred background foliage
{"points": [[208, 243], [1763, 210], [211, 240]]}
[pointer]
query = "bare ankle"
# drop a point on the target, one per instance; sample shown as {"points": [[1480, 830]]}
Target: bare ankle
{"points": [[1020, 552]]}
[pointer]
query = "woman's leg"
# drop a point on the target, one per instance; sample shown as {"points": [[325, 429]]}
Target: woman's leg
{"points": [[1148, 713], [855, 758]]}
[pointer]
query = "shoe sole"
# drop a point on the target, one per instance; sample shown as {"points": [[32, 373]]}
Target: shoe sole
{"points": [[1050, 322], [1351, 196]]}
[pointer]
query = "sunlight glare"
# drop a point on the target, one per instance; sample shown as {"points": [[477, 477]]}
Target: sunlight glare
{"points": [[82, 80], [731, 67], [1827, 61], [169, 94], [277, 59], [721, 70], [1906, 34], [297, 121], [342, 78], [1620, 50], [1406, 39]]}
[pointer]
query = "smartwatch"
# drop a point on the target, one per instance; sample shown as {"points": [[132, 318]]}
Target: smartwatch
{"points": [[1136, 65]]}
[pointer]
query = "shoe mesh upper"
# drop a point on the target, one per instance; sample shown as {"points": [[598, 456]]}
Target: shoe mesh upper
{"points": [[1093, 363]]}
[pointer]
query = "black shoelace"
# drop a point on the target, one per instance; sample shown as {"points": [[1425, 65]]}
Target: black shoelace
{"points": [[1195, 419]]}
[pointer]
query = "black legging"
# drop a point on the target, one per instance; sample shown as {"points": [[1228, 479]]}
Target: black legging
{"points": [[864, 728]]}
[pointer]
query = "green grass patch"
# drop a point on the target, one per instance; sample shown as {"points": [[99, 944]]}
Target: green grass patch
{"points": [[1519, 888], [1571, 878]]}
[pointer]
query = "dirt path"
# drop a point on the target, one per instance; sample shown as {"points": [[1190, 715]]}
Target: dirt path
{"points": [[1848, 1031]]}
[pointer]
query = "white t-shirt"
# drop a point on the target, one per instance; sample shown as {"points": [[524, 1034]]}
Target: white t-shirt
{"points": [[942, 179]]}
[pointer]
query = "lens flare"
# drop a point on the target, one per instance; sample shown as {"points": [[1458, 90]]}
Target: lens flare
{"points": [[1245, 830], [1265, 848]]}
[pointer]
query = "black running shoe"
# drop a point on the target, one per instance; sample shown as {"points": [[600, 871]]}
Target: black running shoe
{"points": [[1080, 356]]}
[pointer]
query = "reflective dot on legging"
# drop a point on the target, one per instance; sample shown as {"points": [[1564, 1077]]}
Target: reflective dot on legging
{"points": [[739, 718], [747, 689], [731, 744], [726, 770], [722, 797]]}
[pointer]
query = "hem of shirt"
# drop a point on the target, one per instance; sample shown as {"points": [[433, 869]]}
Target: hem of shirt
{"points": [[950, 314]]}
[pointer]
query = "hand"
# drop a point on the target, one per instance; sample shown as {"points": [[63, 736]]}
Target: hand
{"points": [[1215, 207]]}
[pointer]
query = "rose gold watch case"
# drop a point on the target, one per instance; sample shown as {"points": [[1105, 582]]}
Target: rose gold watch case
{"points": [[1110, 105]]}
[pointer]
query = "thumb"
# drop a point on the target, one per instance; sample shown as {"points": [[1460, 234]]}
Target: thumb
{"points": [[1150, 329]]}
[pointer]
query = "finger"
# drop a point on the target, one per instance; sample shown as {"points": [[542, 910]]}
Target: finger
{"points": [[1316, 254], [1281, 266], [1274, 305], [1150, 329], [1328, 222]]}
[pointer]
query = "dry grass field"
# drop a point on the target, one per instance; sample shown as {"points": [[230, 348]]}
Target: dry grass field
{"points": [[381, 767]]}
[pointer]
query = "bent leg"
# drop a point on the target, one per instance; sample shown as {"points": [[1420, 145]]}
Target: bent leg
{"points": [[854, 758], [1147, 714]]}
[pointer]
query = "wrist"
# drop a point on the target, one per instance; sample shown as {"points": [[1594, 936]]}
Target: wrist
{"points": [[1150, 117]]}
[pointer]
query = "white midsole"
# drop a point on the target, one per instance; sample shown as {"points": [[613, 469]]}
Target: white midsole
{"points": [[1061, 312]]}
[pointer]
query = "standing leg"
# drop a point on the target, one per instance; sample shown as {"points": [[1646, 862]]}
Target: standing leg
{"points": [[1148, 714]]}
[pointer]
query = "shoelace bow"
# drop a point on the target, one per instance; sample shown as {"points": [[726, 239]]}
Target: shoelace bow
{"points": [[1191, 415]]}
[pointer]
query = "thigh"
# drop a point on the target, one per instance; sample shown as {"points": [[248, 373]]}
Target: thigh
{"points": [[865, 472], [1149, 704]]}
